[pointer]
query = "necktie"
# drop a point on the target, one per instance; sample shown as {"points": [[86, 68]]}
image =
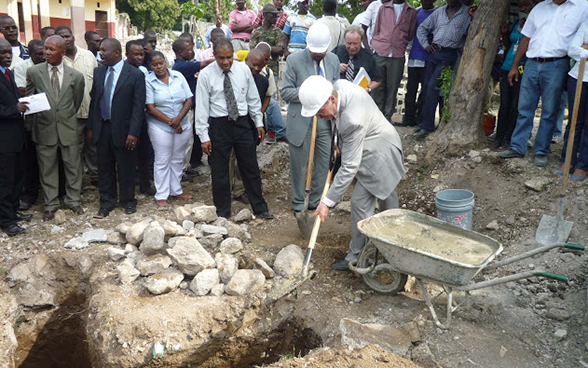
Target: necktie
{"points": [[230, 97], [55, 81], [105, 103], [350, 72], [7, 75], [319, 70]]}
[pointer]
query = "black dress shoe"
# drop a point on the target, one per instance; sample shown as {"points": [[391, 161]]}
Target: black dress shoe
{"points": [[243, 198], [192, 172], [148, 191], [186, 178], [78, 210], [404, 124], [23, 216], [48, 215], [341, 266], [25, 205], [421, 134], [130, 210], [102, 213], [265, 215], [12, 230]]}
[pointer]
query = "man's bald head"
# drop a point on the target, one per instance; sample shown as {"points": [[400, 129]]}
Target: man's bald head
{"points": [[255, 60], [5, 53], [54, 50]]}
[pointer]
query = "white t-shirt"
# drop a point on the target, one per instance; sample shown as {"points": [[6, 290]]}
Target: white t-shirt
{"points": [[369, 19], [16, 51], [397, 10], [551, 27]]}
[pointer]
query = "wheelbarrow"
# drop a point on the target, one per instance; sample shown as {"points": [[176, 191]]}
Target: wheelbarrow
{"points": [[401, 243]]}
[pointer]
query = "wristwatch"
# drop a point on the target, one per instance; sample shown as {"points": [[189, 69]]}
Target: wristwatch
{"points": [[369, 89]]}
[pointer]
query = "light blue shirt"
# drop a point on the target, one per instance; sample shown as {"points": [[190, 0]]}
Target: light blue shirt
{"points": [[169, 99], [2, 69], [116, 69]]}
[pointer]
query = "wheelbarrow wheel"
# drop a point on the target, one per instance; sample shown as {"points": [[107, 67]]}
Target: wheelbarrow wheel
{"points": [[383, 281]]}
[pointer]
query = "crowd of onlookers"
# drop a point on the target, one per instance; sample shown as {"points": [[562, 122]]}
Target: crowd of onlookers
{"points": [[123, 116]]}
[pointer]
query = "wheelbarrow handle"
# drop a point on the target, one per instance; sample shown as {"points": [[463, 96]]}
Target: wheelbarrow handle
{"points": [[553, 276], [530, 253]]}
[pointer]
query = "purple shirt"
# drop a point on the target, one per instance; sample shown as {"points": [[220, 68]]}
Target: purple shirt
{"points": [[417, 52]]}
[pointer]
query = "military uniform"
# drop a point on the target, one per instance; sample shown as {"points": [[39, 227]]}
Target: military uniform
{"points": [[274, 37]]}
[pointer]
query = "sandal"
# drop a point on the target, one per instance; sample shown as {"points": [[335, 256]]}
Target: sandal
{"points": [[161, 203], [182, 196]]}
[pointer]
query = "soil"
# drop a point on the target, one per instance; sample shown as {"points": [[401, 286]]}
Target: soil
{"points": [[509, 325]]}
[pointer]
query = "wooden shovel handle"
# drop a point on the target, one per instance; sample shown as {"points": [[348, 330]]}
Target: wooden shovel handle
{"points": [[310, 167], [570, 148]]}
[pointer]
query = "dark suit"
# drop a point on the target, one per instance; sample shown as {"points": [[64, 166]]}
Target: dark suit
{"points": [[127, 117], [12, 138], [56, 134]]}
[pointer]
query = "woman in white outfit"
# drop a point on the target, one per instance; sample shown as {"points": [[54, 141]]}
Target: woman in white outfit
{"points": [[168, 101]]}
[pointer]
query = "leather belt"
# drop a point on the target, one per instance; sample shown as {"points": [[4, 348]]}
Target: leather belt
{"points": [[548, 60], [241, 39]]}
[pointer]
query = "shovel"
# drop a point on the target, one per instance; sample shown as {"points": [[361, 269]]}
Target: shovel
{"points": [[551, 229], [303, 219]]}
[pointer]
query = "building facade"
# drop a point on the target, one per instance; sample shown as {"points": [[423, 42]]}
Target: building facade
{"points": [[79, 15]]}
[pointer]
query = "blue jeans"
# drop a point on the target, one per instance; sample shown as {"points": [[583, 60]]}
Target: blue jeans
{"points": [[275, 120], [545, 80], [580, 149], [563, 103], [437, 62]]}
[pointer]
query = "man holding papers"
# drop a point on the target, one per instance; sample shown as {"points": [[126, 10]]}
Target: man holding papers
{"points": [[353, 58], [12, 137], [55, 130]]}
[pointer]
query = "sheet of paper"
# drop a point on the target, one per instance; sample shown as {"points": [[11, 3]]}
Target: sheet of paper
{"points": [[37, 103], [362, 78]]}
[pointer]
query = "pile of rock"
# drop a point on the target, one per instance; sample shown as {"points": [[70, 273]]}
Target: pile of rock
{"points": [[164, 255]]}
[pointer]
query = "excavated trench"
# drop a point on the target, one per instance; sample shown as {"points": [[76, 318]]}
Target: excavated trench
{"points": [[56, 337]]}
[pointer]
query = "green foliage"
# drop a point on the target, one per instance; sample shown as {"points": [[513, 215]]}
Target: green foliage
{"points": [[158, 15], [288, 356], [189, 9], [446, 80]]}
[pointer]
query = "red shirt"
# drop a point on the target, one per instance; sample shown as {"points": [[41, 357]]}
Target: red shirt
{"points": [[390, 35], [282, 18]]}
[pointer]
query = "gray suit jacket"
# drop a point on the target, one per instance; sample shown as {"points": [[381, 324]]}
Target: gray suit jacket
{"points": [[60, 123], [371, 150], [300, 66]]}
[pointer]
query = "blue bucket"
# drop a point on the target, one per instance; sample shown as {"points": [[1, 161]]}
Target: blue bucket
{"points": [[455, 206]]}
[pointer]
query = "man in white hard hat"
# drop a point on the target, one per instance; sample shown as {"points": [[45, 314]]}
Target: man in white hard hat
{"points": [[371, 152], [314, 60]]}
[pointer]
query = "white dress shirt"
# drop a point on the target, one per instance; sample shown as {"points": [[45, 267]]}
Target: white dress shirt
{"points": [[210, 96], [551, 27], [20, 72], [60, 72], [85, 63], [369, 18], [576, 51]]}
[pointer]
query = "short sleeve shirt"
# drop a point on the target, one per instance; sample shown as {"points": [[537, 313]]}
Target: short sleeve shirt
{"points": [[297, 27], [168, 98], [274, 37]]}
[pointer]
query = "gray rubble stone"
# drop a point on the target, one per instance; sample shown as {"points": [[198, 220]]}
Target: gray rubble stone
{"points": [[211, 229], [243, 215], [115, 254], [423, 356], [204, 281], [134, 257], [181, 214], [135, 232], [412, 158], [236, 231], [153, 239], [474, 153], [358, 335], [218, 290], [189, 255], [560, 334], [204, 214], [230, 246], [153, 264], [164, 281], [171, 228], [129, 248], [344, 206], [126, 272], [76, 243], [220, 221], [95, 236], [188, 225], [227, 265], [85, 265], [59, 217], [557, 314], [211, 241], [493, 225], [289, 261], [57, 229], [538, 183], [116, 238], [124, 227], [245, 282], [268, 272], [36, 294]]}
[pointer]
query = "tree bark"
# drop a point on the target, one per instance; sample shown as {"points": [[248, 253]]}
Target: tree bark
{"points": [[469, 90]]}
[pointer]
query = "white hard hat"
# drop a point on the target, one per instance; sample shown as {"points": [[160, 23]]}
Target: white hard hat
{"points": [[318, 38], [313, 94]]}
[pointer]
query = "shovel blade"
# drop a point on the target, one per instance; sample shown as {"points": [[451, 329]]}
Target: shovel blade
{"points": [[305, 223], [286, 287], [553, 230]]}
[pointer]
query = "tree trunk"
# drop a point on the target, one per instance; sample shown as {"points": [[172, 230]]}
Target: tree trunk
{"points": [[469, 90]]}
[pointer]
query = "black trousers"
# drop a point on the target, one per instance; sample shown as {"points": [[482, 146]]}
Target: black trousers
{"points": [[413, 114], [145, 156], [196, 157], [509, 107], [112, 162], [11, 174], [224, 136], [30, 191]]}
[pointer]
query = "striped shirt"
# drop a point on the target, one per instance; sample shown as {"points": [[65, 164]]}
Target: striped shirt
{"points": [[297, 28], [450, 33]]}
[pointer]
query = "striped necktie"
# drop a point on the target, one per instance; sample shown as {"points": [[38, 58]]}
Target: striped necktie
{"points": [[350, 72]]}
